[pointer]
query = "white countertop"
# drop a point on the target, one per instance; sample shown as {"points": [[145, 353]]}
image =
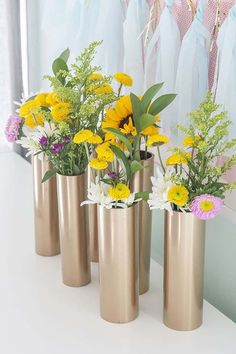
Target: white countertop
{"points": [[39, 315]]}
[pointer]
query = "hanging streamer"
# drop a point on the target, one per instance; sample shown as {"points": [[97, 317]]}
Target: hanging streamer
{"points": [[137, 15], [192, 73]]}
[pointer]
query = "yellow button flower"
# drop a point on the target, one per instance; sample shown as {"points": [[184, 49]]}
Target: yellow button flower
{"points": [[41, 100], [95, 76], [82, 136], [26, 108], [191, 141], [32, 120], [95, 139], [178, 195], [177, 159], [52, 99], [98, 164], [123, 79], [120, 191], [104, 89], [104, 152], [149, 131], [60, 112], [157, 140]]}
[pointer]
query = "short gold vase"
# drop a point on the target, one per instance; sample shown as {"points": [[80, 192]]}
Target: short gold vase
{"points": [[142, 183], [73, 231], [183, 271], [118, 263], [45, 210]]}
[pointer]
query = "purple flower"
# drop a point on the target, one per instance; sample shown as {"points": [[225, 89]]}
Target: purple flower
{"points": [[57, 148], [12, 128], [43, 141], [206, 206], [67, 139], [112, 175]]}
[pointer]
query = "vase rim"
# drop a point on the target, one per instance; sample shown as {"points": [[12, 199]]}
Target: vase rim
{"points": [[150, 156], [81, 174]]}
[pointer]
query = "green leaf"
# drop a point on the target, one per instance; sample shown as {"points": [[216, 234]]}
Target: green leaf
{"points": [[147, 120], [149, 95], [49, 174], [121, 156], [135, 166], [76, 170], [161, 103], [121, 137], [65, 55], [143, 195], [137, 111], [58, 65]]}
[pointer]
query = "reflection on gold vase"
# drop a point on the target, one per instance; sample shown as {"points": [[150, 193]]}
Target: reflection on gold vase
{"points": [[73, 232], [118, 263], [45, 210], [183, 271], [142, 183]]}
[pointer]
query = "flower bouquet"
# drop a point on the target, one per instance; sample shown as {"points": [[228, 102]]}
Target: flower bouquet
{"points": [[191, 188]]}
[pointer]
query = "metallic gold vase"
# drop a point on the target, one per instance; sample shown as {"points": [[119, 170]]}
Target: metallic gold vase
{"points": [[142, 183], [118, 264], [45, 210], [183, 271], [73, 232], [92, 222]]}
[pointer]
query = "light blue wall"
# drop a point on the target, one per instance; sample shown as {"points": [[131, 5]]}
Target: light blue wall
{"points": [[220, 261]]}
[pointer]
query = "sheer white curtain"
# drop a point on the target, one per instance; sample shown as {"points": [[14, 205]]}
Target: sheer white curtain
{"points": [[5, 92]]}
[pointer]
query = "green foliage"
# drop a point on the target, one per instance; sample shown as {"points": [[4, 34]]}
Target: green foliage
{"points": [[209, 127]]}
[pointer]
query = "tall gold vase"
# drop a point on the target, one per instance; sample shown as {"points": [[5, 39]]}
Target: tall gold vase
{"points": [[73, 232], [45, 210], [92, 222], [183, 271], [118, 264], [142, 183]]}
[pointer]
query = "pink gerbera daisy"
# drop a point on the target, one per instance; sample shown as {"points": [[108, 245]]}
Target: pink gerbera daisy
{"points": [[206, 206]]}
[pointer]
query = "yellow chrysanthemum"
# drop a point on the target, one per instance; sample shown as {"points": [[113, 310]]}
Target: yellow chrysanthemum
{"points": [[120, 191], [60, 112], [41, 100], [190, 141], [26, 108], [82, 136], [157, 140], [52, 99], [95, 76], [123, 79], [178, 195], [104, 89], [32, 120], [95, 139], [177, 159], [149, 131], [128, 128], [104, 152], [98, 164]]}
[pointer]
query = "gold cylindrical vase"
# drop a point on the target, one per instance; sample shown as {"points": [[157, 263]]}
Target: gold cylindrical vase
{"points": [[183, 271], [141, 182], [118, 263], [92, 222], [73, 231], [47, 241]]}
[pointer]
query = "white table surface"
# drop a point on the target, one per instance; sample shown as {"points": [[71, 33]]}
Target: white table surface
{"points": [[40, 315]]}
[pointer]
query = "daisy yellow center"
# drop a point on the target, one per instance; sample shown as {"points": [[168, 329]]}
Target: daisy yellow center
{"points": [[206, 205]]}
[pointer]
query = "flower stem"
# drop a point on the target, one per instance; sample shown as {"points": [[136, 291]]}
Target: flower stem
{"points": [[160, 159]]}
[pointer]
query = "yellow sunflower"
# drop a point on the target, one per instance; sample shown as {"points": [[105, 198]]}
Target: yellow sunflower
{"points": [[60, 112], [178, 195], [128, 128], [123, 79], [120, 191]]}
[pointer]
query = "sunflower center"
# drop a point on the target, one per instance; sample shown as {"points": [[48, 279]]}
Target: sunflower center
{"points": [[126, 121], [206, 205]]}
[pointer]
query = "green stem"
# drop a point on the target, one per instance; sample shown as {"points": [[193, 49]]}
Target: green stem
{"points": [[160, 159], [119, 90], [87, 151], [146, 152]]}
